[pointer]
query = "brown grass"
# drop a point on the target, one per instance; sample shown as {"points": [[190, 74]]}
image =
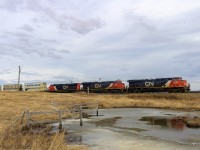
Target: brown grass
{"points": [[19, 137], [194, 123], [14, 103]]}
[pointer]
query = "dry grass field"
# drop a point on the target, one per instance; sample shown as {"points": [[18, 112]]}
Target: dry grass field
{"points": [[14, 103]]}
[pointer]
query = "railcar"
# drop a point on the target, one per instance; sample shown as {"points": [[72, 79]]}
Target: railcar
{"points": [[71, 87], [11, 87], [173, 84], [105, 86], [35, 86]]}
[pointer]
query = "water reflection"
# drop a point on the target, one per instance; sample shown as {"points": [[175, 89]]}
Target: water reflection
{"points": [[165, 122]]}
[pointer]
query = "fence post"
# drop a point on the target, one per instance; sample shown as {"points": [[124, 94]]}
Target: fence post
{"points": [[97, 109], [28, 119], [81, 115], [60, 119]]}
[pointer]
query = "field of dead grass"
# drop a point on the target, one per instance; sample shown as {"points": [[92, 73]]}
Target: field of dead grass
{"points": [[14, 103]]}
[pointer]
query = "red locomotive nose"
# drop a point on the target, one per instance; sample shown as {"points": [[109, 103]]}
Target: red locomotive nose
{"points": [[51, 88]]}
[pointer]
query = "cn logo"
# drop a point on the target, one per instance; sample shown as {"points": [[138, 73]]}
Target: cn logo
{"points": [[65, 87], [149, 83], [97, 85]]}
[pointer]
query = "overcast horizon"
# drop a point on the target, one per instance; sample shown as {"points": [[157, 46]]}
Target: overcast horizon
{"points": [[59, 41]]}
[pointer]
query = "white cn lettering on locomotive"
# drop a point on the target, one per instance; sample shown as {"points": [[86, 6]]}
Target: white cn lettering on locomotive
{"points": [[65, 87], [149, 84], [97, 85]]}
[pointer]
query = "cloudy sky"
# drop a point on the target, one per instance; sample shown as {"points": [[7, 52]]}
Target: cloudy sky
{"points": [[82, 40]]}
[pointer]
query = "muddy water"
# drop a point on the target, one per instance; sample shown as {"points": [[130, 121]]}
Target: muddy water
{"points": [[134, 128]]}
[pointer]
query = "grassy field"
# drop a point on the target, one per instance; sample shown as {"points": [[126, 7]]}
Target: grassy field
{"points": [[14, 103]]}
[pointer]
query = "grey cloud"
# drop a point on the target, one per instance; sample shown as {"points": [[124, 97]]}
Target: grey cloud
{"points": [[49, 41], [189, 59], [166, 36], [5, 71], [18, 44], [133, 20], [156, 39], [65, 22], [21, 51], [50, 52], [20, 34], [27, 28], [186, 23], [51, 13], [184, 64], [11, 5], [33, 5], [85, 26], [17, 33], [64, 51]]}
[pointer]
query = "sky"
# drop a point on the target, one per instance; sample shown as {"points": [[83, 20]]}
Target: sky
{"points": [[60, 41]]}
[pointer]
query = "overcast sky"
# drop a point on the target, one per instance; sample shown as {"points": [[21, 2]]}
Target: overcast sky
{"points": [[59, 41]]}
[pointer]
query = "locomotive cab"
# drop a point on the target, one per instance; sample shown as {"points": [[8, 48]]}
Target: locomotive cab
{"points": [[51, 88], [118, 85], [180, 85]]}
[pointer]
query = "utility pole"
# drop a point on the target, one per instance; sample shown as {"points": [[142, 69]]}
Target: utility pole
{"points": [[19, 77]]}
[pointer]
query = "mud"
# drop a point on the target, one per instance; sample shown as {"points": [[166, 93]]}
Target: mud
{"points": [[107, 122]]}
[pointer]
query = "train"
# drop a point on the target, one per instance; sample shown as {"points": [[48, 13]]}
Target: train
{"points": [[35, 86], [170, 85]]}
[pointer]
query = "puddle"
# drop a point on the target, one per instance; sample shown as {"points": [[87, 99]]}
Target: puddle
{"points": [[134, 128]]}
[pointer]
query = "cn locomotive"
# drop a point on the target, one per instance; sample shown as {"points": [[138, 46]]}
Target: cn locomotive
{"points": [[106, 86], [170, 85], [71, 87]]}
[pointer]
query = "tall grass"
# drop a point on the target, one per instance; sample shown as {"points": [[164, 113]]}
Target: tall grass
{"points": [[35, 138]]}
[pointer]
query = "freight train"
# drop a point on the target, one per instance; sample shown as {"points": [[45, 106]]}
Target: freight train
{"points": [[170, 85]]}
